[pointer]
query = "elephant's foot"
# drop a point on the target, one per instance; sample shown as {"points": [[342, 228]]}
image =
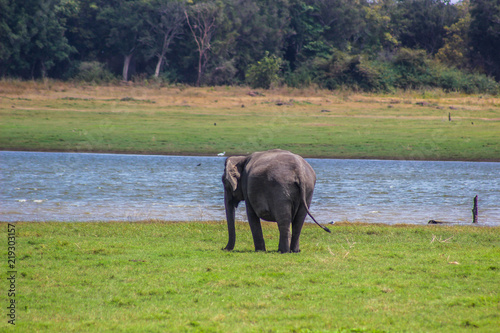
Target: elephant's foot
{"points": [[284, 250], [294, 246], [230, 244], [288, 251], [260, 248], [259, 244]]}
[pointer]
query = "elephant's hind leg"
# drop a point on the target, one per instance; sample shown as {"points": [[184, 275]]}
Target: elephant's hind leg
{"points": [[284, 228], [297, 224]]}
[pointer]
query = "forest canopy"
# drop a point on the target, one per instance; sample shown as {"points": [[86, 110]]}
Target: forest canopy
{"points": [[359, 44]]}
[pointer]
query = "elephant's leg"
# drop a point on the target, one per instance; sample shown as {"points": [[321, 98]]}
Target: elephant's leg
{"points": [[284, 228], [256, 228], [297, 224]]}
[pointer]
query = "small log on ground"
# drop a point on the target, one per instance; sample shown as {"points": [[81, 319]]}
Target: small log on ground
{"points": [[438, 222]]}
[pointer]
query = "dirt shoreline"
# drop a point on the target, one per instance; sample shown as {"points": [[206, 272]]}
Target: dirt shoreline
{"points": [[391, 158]]}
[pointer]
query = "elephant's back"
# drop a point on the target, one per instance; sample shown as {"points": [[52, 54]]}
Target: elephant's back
{"points": [[280, 166]]}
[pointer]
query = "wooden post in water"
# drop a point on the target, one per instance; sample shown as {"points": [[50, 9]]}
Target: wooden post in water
{"points": [[474, 211]]}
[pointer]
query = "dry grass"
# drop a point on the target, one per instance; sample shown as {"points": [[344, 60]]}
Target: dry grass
{"points": [[230, 97]]}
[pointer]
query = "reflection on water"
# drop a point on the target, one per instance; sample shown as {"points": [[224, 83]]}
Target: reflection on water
{"points": [[105, 187]]}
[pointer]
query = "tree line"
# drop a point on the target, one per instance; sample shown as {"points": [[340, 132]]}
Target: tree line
{"points": [[370, 45]]}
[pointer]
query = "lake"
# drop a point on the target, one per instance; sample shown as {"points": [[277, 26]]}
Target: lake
{"points": [[112, 187]]}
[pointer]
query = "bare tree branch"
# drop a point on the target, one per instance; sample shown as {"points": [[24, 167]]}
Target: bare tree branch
{"points": [[203, 17]]}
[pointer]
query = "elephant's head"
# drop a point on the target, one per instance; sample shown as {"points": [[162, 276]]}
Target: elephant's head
{"points": [[233, 193], [231, 178]]}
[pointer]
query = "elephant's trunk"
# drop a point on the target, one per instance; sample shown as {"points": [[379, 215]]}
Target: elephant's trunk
{"points": [[230, 216]]}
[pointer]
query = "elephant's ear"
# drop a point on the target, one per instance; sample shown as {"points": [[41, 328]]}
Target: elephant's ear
{"points": [[232, 173]]}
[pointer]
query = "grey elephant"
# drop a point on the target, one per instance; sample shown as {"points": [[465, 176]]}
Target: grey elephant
{"points": [[276, 186]]}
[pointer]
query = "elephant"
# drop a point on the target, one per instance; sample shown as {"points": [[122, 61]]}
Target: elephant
{"points": [[276, 186]]}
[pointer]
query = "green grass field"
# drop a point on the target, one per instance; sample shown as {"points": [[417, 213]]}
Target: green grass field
{"points": [[61, 117], [174, 277]]}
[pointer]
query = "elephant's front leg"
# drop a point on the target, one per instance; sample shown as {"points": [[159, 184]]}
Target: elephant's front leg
{"points": [[256, 228]]}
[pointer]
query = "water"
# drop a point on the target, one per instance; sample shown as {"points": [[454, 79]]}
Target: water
{"points": [[109, 187]]}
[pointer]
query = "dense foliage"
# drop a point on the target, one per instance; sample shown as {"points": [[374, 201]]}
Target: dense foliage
{"points": [[359, 44]]}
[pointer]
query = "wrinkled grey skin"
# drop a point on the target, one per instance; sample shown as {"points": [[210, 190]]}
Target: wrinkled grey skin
{"points": [[276, 186]]}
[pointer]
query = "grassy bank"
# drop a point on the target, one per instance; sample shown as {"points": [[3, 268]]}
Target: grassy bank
{"points": [[131, 277], [61, 117]]}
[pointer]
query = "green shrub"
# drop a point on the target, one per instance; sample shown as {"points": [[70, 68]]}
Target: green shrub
{"points": [[301, 77], [353, 71], [453, 79], [483, 84], [94, 71], [412, 69], [265, 72], [224, 74], [405, 69]]}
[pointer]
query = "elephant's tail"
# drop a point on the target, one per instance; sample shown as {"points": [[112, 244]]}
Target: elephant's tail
{"points": [[304, 202], [309, 213]]}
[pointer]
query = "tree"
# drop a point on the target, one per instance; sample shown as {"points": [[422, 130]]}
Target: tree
{"points": [[6, 33], [32, 38], [125, 24], [377, 34], [319, 27], [305, 35], [343, 21], [485, 35], [246, 29], [420, 24], [201, 21], [166, 20], [50, 44], [456, 49], [86, 32]]}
